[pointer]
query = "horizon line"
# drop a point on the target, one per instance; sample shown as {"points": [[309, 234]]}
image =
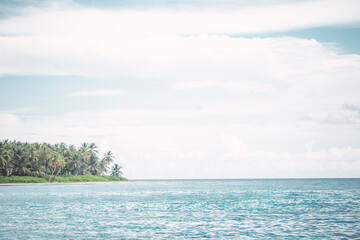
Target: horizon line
{"points": [[295, 178]]}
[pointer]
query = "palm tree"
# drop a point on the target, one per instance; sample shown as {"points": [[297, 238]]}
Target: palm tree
{"points": [[37, 159], [84, 151], [75, 164], [116, 170], [4, 161], [37, 169], [94, 167], [56, 164], [22, 165], [73, 160], [93, 149], [45, 154], [107, 159]]}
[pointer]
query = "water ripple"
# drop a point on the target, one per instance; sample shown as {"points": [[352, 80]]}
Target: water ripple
{"points": [[215, 209]]}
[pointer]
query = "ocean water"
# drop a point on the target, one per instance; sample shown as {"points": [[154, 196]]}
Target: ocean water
{"points": [[183, 209]]}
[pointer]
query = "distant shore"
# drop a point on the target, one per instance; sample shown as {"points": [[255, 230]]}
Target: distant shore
{"points": [[56, 183], [60, 179]]}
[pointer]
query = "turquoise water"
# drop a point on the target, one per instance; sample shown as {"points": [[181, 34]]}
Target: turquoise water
{"points": [[183, 209]]}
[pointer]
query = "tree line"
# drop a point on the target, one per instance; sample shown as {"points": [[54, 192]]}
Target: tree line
{"points": [[41, 159]]}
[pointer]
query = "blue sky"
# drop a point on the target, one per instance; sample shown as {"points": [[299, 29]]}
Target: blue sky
{"points": [[188, 89]]}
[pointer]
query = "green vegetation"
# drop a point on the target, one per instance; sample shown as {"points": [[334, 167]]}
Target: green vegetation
{"points": [[60, 179], [22, 179], [43, 162], [88, 178], [116, 170]]}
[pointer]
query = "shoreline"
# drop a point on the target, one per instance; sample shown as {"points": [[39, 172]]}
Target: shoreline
{"points": [[9, 184], [15, 180]]}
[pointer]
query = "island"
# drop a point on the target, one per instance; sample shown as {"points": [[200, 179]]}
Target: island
{"points": [[23, 162]]}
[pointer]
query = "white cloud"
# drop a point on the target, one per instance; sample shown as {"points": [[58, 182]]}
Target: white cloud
{"points": [[8, 119], [201, 61], [256, 89], [201, 151], [95, 42], [76, 21], [97, 93], [349, 114], [196, 84], [337, 118]]}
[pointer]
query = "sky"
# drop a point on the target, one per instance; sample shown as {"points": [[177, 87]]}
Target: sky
{"points": [[188, 89]]}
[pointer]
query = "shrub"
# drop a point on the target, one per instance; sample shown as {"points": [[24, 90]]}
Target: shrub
{"points": [[21, 179], [60, 179]]}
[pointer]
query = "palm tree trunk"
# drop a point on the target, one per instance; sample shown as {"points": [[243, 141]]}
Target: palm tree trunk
{"points": [[52, 179], [57, 174]]}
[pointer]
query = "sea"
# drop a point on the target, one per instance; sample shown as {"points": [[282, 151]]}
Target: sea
{"points": [[183, 209]]}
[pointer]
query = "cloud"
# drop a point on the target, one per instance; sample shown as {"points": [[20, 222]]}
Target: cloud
{"points": [[196, 84], [352, 108], [257, 89], [67, 20], [351, 115], [157, 149], [71, 40], [97, 93], [230, 158], [304, 118], [63, 136], [199, 61], [8, 119], [337, 118]]}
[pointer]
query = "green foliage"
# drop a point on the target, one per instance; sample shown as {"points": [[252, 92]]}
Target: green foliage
{"points": [[116, 170], [47, 161], [60, 179], [112, 178], [21, 179], [88, 178]]}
